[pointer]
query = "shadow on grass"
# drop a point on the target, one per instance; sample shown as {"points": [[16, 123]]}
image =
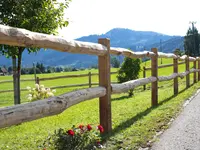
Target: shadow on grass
{"points": [[121, 98], [140, 115]]}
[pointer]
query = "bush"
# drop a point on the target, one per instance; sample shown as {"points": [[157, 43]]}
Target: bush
{"points": [[77, 138], [129, 71], [39, 92]]}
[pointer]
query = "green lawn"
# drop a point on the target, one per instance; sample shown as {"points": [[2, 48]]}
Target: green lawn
{"points": [[134, 121], [6, 99]]}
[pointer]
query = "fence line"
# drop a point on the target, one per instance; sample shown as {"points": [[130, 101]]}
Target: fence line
{"points": [[55, 105], [89, 84], [57, 77], [164, 66]]}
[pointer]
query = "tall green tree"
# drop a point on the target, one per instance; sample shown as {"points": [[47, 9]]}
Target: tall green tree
{"points": [[191, 42], [114, 62], [44, 16], [129, 70]]}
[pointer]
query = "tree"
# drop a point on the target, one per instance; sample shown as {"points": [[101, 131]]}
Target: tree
{"points": [[191, 42], [129, 71], [114, 62], [41, 67], [44, 16]]}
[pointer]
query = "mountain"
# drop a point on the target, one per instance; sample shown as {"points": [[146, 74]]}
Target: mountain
{"points": [[169, 45], [126, 38], [119, 37]]}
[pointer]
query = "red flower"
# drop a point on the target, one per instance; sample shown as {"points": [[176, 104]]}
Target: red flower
{"points": [[89, 127], [81, 127], [44, 149], [100, 128], [98, 142], [70, 132]]}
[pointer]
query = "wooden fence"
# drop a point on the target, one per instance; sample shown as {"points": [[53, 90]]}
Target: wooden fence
{"points": [[38, 80], [30, 111]]}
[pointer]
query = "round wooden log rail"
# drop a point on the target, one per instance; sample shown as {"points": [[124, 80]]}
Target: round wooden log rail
{"points": [[174, 75], [166, 55], [21, 37], [190, 58], [52, 106], [167, 78], [124, 87], [129, 53], [57, 77], [22, 80], [61, 77]]}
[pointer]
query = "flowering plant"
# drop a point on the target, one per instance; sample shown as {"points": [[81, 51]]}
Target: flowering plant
{"points": [[39, 92], [81, 137]]}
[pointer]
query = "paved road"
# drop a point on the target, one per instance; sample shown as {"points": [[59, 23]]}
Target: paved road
{"points": [[184, 132]]}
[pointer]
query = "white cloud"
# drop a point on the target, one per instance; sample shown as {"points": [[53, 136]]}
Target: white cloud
{"points": [[98, 16]]}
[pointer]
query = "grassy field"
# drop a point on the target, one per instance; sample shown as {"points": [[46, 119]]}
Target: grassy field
{"points": [[135, 122]]}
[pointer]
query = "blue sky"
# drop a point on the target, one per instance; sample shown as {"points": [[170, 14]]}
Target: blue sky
{"points": [[170, 17]]}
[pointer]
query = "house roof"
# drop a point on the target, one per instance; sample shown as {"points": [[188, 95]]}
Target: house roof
{"points": [[3, 70]]}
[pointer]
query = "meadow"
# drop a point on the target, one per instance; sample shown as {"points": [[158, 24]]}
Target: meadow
{"points": [[134, 121]]}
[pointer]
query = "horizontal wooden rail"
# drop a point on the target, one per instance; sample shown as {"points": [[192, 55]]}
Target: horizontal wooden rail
{"points": [[21, 37], [61, 77], [22, 80], [52, 106], [124, 87], [7, 91], [190, 58], [166, 55], [25, 38], [174, 75], [57, 77], [167, 78], [129, 53]]}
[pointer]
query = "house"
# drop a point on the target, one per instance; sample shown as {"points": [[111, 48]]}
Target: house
{"points": [[3, 71]]}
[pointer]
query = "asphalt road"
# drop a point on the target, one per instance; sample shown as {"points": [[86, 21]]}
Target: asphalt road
{"points": [[184, 132]]}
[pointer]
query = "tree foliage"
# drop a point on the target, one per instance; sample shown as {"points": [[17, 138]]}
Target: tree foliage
{"points": [[129, 70], [191, 42], [114, 62], [44, 16]]}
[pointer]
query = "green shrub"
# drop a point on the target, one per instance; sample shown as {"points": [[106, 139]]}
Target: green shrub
{"points": [[129, 71]]}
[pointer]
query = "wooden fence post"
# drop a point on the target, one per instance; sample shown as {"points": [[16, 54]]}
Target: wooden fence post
{"points": [[175, 61], [198, 68], [89, 79], [195, 74], [105, 81], [154, 73], [144, 76], [37, 80], [187, 68]]}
